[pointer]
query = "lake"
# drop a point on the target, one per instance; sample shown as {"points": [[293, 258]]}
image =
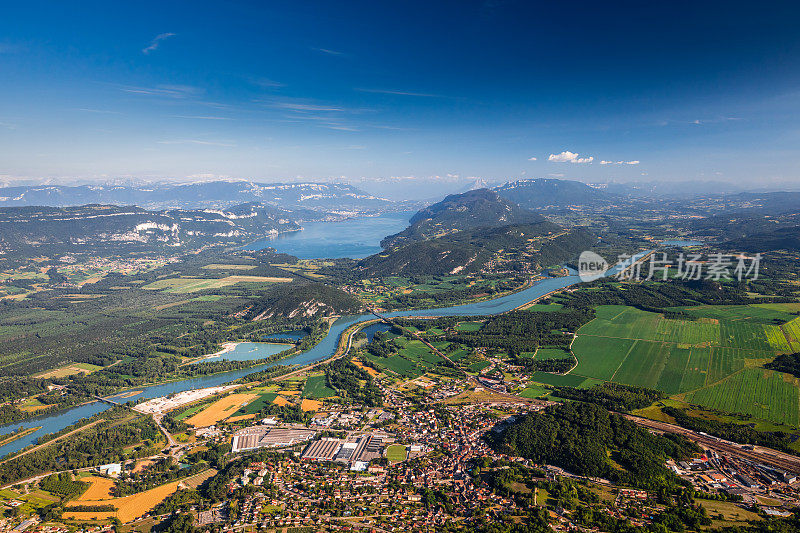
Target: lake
{"points": [[248, 351], [356, 238]]}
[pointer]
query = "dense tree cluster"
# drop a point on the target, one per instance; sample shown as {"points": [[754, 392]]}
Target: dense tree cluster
{"points": [[343, 375], [102, 443], [581, 437], [789, 363], [612, 396]]}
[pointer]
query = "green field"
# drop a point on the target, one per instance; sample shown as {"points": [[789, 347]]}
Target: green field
{"points": [[714, 360], [316, 388], [469, 326], [478, 366], [396, 452], [551, 353], [258, 404], [756, 392], [190, 411], [534, 391]]}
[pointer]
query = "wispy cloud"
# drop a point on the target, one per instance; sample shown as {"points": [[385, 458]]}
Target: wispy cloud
{"points": [[633, 162], [198, 141], [399, 92], [8, 125], [201, 117], [295, 106], [531, 159], [156, 42], [172, 91], [569, 157], [98, 111], [328, 51], [268, 83]]}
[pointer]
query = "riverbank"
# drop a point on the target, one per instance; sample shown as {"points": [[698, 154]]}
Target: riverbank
{"points": [[17, 435]]}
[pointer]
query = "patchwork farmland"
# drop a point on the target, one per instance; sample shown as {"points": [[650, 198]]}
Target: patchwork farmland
{"points": [[713, 360]]}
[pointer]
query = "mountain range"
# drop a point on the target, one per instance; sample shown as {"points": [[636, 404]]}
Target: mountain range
{"points": [[335, 198], [40, 230], [457, 212], [476, 231]]}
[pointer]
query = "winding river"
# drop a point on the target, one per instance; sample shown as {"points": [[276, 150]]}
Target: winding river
{"points": [[325, 349]]}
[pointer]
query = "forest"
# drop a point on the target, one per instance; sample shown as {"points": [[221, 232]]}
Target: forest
{"points": [[582, 437]]}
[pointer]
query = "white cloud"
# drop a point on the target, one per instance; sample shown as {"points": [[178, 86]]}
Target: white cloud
{"points": [[633, 162], [569, 157], [153, 46], [531, 159]]}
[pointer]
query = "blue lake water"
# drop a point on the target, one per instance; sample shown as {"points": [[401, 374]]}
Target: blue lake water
{"points": [[249, 351], [372, 329], [355, 238]]}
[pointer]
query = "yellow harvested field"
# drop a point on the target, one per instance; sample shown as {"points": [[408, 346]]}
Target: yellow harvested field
{"points": [[241, 417], [310, 405], [289, 392], [368, 369], [220, 410], [31, 408], [280, 400], [136, 505], [100, 489]]}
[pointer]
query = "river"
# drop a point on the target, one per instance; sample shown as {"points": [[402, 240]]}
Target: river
{"points": [[326, 347], [323, 350]]}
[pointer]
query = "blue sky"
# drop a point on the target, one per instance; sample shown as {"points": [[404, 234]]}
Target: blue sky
{"points": [[383, 90]]}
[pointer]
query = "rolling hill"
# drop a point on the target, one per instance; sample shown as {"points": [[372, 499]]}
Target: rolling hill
{"points": [[480, 208], [543, 193]]}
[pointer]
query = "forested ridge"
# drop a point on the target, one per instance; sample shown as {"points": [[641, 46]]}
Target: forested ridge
{"points": [[583, 438]]}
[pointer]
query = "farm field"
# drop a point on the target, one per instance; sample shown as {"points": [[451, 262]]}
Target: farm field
{"points": [[534, 391], [220, 410], [99, 488], [756, 392], [310, 405], [413, 358], [316, 387], [468, 326], [264, 399], [792, 330], [714, 362], [368, 369], [130, 507], [551, 353]]}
